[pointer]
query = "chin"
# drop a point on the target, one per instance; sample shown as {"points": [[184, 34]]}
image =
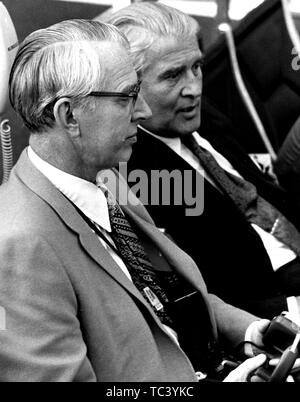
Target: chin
{"points": [[125, 156], [188, 127], [188, 130]]}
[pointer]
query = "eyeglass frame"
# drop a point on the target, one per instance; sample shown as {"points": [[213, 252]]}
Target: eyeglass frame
{"points": [[134, 93]]}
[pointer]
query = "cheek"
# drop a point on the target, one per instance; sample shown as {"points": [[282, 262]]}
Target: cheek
{"points": [[112, 131], [160, 99], [163, 105], [115, 141]]}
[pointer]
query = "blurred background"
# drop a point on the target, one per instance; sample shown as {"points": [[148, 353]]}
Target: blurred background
{"points": [[264, 49], [29, 15]]}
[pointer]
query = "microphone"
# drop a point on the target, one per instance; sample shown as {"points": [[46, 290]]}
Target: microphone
{"points": [[286, 362]]}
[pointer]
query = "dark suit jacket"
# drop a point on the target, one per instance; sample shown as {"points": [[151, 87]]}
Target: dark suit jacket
{"points": [[287, 165], [229, 252], [71, 313]]}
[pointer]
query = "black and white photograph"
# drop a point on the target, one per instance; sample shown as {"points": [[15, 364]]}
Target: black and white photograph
{"points": [[150, 194]]}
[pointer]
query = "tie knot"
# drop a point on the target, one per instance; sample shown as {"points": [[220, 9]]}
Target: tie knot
{"points": [[113, 207], [202, 153], [190, 142], [106, 192]]}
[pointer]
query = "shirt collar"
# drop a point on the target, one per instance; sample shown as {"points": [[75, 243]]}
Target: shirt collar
{"points": [[175, 142], [84, 194]]}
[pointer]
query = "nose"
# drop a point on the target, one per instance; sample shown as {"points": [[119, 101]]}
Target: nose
{"points": [[141, 109], [193, 85]]}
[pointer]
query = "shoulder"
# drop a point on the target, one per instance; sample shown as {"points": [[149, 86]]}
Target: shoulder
{"points": [[115, 181]]}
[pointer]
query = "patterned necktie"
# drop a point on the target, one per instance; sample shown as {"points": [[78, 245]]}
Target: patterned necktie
{"points": [[136, 260], [244, 194], [198, 340]]}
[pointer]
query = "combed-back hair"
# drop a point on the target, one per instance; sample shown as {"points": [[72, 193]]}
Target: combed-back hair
{"points": [[144, 23], [61, 60]]}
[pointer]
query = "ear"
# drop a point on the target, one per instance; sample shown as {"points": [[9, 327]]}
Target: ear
{"points": [[64, 116]]}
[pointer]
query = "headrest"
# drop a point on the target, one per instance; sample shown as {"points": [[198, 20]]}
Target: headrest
{"points": [[8, 50]]}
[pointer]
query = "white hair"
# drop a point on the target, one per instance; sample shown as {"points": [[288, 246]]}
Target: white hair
{"points": [[61, 60], [144, 23]]}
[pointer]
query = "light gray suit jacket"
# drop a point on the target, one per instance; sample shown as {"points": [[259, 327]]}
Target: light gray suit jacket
{"points": [[71, 313]]}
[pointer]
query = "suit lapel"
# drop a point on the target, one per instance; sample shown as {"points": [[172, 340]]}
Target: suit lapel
{"points": [[133, 208], [176, 257], [240, 161], [166, 158], [44, 189], [41, 186], [118, 186]]}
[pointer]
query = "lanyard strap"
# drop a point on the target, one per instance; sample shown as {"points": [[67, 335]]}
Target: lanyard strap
{"points": [[96, 229]]}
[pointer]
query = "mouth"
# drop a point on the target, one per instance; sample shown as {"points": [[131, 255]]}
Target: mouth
{"points": [[132, 138], [189, 111]]}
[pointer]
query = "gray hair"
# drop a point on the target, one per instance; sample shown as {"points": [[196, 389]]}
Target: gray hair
{"points": [[144, 23], [61, 60]]}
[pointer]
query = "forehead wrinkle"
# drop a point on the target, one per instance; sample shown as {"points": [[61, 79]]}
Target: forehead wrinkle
{"points": [[176, 61], [172, 56]]}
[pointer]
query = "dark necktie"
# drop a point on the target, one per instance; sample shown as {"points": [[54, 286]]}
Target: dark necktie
{"points": [[136, 260], [244, 195]]}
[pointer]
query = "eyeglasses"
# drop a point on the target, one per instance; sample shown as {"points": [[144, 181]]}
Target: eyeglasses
{"points": [[134, 92]]}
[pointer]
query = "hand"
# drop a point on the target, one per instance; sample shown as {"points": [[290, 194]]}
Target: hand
{"points": [[274, 362], [254, 334], [242, 372]]}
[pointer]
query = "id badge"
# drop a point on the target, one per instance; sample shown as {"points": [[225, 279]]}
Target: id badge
{"points": [[153, 299]]}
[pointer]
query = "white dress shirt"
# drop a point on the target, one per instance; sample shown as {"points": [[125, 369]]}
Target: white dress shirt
{"points": [[278, 252], [85, 195]]}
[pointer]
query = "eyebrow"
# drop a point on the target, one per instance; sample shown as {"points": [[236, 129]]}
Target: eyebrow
{"points": [[171, 71], [129, 88], [181, 67]]}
